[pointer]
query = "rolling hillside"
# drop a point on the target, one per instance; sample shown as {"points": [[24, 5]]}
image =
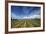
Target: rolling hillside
{"points": [[25, 23]]}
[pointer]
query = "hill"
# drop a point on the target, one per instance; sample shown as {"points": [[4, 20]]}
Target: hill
{"points": [[25, 23]]}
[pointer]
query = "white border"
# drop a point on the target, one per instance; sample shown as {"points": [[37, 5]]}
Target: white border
{"points": [[23, 29]]}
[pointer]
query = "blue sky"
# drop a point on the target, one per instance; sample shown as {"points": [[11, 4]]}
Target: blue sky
{"points": [[25, 12]]}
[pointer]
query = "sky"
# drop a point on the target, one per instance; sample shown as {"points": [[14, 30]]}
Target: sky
{"points": [[25, 12]]}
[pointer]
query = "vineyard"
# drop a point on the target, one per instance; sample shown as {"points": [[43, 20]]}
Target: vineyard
{"points": [[25, 23]]}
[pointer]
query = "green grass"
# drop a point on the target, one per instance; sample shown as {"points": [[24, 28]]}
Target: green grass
{"points": [[25, 23]]}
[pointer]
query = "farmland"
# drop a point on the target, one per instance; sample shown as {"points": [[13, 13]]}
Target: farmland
{"points": [[25, 23]]}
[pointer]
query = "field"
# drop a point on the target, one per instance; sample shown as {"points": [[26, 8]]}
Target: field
{"points": [[25, 23]]}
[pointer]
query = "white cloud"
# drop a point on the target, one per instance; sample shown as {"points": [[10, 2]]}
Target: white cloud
{"points": [[31, 17], [25, 17], [26, 10], [13, 15]]}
